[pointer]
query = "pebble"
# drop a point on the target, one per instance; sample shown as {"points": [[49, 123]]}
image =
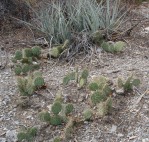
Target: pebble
{"points": [[113, 129], [11, 136], [2, 140]]}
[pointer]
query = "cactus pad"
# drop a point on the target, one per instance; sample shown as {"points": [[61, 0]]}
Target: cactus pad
{"points": [[56, 120], [18, 70], [68, 108], [38, 81], [56, 107], [36, 51], [18, 55], [87, 114]]}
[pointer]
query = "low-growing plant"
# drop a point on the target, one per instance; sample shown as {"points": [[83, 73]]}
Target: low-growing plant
{"points": [[27, 135], [58, 114], [113, 47], [29, 84], [128, 84], [87, 114], [81, 79], [17, 69], [101, 95]]}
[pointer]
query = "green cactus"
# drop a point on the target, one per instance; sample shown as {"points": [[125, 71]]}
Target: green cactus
{"points": [[93, 86], [56, 51], [82, 82], [35, 67], [128, 84], [44, 116], [26, 68], [97, 97], [69, 129], [68, 77], [25, 86], [118, 46], [56, 108], [107, 46], [14, 60], [68, 108], [85, 74], [27, 52], [28, 135], [36, 51], [57, 139], [108, 104], [101, 109], [87, 114], [18, 70], [104, 107], [18, 55], [38, 82], [113, 47], [56, 120], [97, 37], [37, 74]]}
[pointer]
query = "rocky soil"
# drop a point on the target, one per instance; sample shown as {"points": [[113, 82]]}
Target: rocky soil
{"points": [[129, 121]]}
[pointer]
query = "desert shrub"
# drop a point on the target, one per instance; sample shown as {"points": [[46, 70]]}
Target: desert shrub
{"points": [[60, 20]]}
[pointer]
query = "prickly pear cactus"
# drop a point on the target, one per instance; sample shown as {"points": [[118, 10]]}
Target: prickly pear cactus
{"points": [[18, 70], [26, 68], [87, 114], [38, 82], [36, 51], [18, 55], [44, 116], [56, 120], [27, 52], [56, 108], [68, 108]]}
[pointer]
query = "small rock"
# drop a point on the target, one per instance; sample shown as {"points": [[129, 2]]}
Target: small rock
{"points": [[2, 140], [113, 129], [11, 136], [145, 140], [120, 135]]}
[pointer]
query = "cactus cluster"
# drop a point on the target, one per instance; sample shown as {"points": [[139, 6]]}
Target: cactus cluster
{"points": [[59, 113], [100, 96], [87, 114], [26, 60], [27, 135], [128, 84], [57, 50], [81, 81], [113, 47], [27, 85]]}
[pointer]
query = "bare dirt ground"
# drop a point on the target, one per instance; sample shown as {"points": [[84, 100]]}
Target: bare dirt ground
{"points": [[129, 120]]}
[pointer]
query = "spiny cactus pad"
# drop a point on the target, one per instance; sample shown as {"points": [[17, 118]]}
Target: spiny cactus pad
{"points": [[97, 97], [27, 52], [36, 51], [85, 74], [44, 116], [87, 114], [56, 107], [26, 68], [18, 55], [56, 120], [18, 70], [38, 82], [68, 108], [93, 86]]}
